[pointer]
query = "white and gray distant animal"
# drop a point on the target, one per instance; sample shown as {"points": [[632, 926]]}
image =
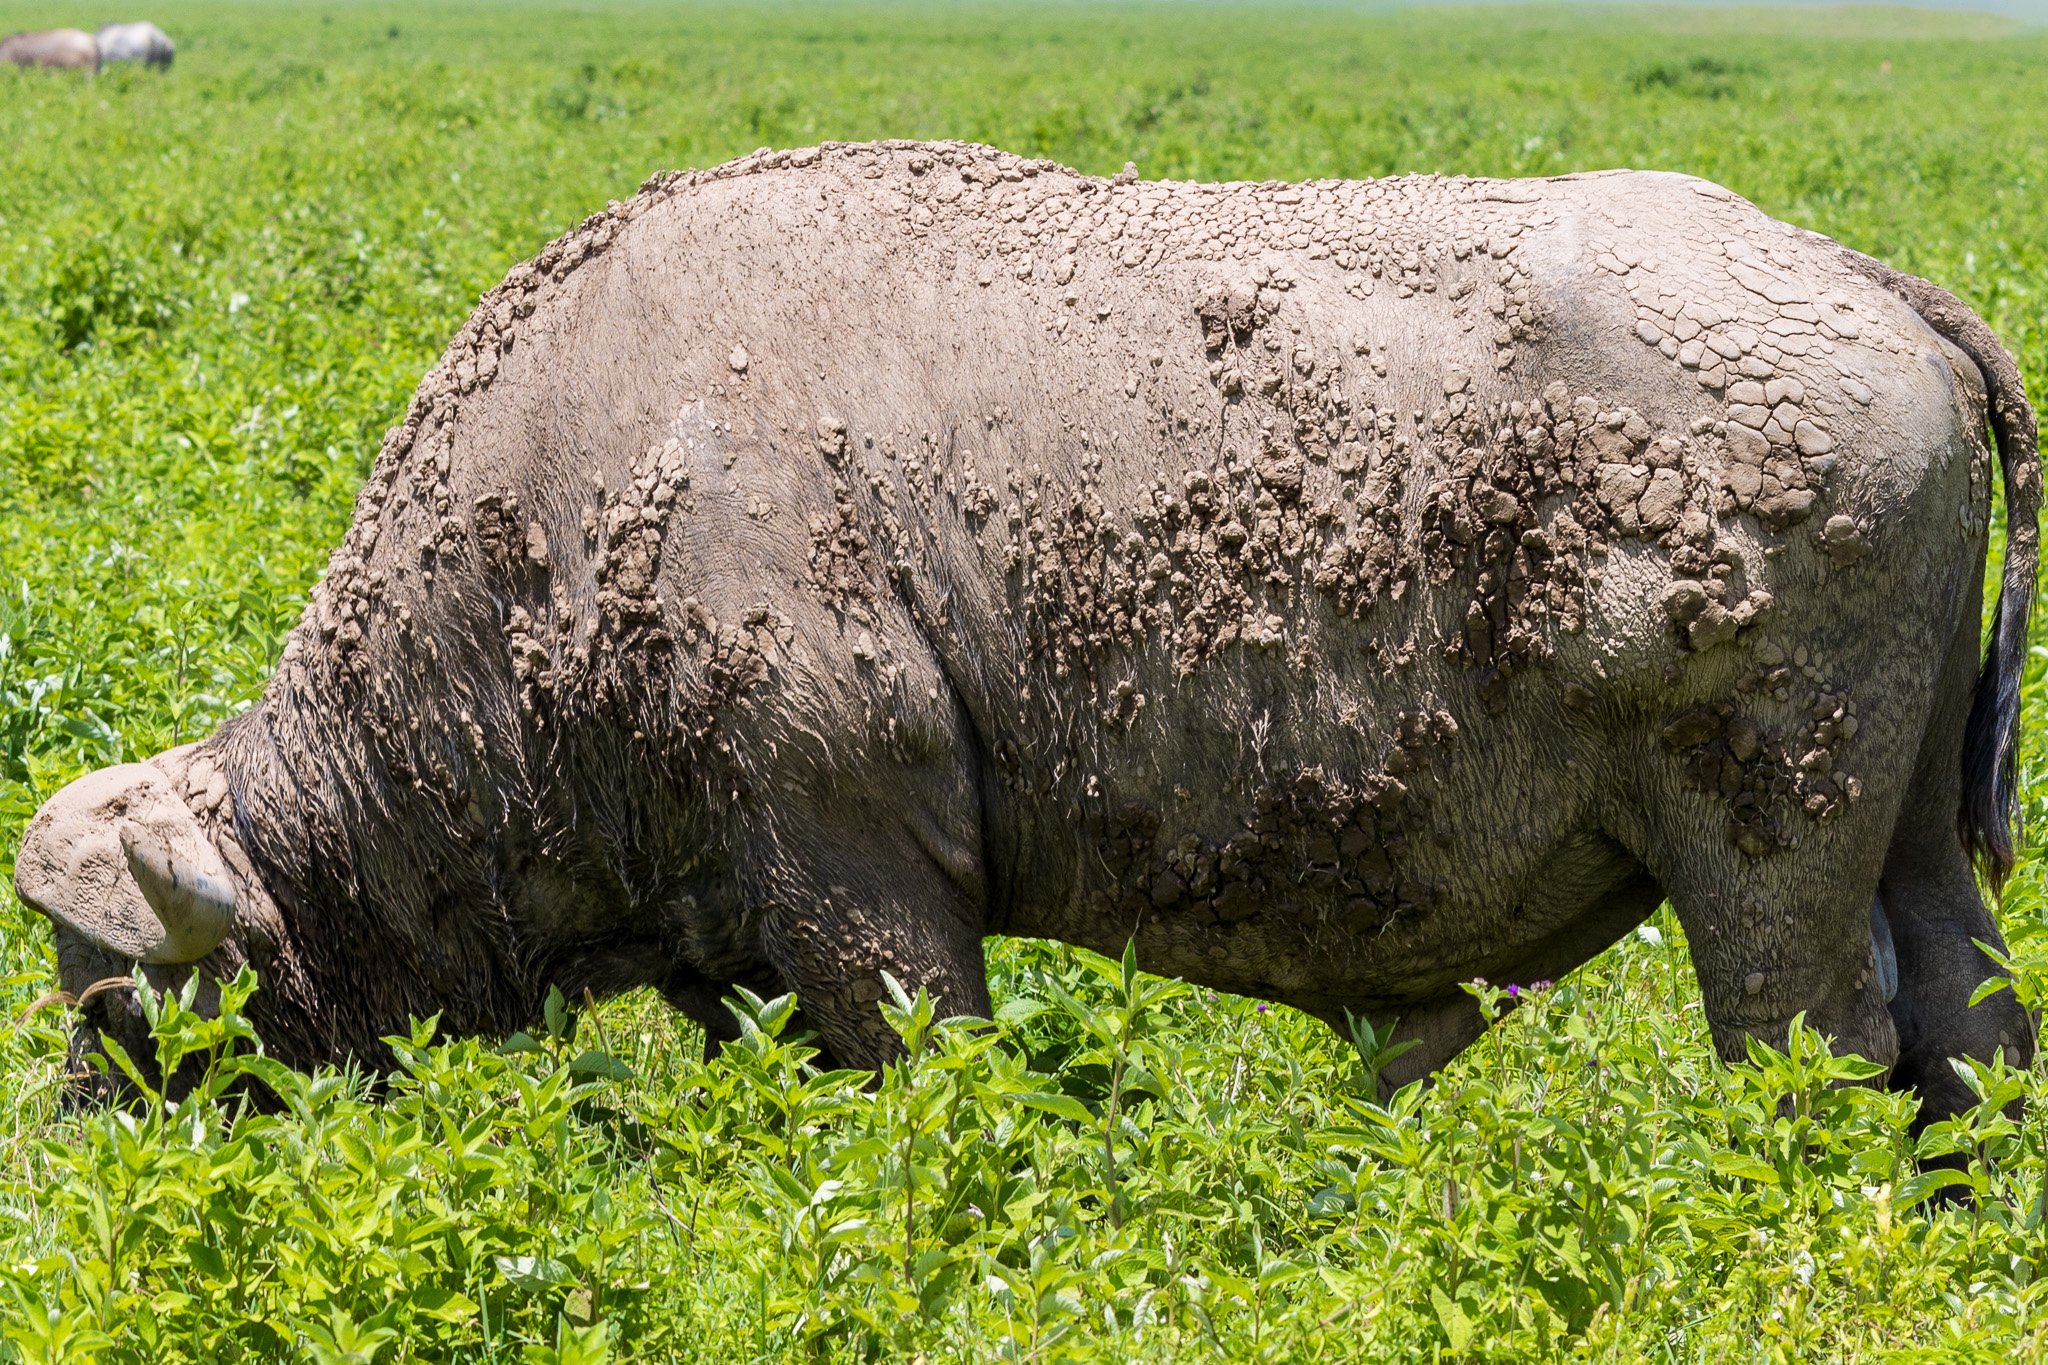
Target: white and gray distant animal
{"points": [[67, 49], [137, 42], [818, 564]]}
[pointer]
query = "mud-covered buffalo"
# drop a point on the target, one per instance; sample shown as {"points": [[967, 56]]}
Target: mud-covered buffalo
{"points": [[813, 566]]}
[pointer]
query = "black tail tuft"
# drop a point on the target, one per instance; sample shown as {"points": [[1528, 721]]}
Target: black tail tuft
{"points": [[1988, 818]]}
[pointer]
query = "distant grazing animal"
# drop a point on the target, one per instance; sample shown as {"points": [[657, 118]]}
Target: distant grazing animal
{"points": [[1346, 590], [137, 42], [64, 48]]}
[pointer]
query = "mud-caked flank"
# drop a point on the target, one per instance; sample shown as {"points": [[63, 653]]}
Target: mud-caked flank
{"points": [[1344, 838], [1778, 754]]}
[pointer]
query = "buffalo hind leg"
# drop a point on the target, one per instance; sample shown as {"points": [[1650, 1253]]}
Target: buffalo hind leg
{"points": [[1781, 933], [1936, 918]]}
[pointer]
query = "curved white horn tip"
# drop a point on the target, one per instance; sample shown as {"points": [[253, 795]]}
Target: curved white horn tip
{"points": [[195, 907]]}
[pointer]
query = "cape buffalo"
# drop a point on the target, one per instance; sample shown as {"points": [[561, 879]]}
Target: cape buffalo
{"points": [[65, 48], [138, 42], [1345, 590]]}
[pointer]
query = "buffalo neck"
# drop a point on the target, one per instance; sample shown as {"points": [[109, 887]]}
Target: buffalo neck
{"points": [[388, 899]]}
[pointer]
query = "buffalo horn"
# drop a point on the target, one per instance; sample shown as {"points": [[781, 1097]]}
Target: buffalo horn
{"points": [[1885, 955], [195, 909]]}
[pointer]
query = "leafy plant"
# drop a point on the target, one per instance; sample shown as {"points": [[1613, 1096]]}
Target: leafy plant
{"points": [[223, 291]]}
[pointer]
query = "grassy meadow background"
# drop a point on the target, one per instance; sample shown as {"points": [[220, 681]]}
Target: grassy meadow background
{"points": [[219, 286]]}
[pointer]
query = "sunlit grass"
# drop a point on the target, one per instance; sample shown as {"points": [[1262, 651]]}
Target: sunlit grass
{"points": [[218, 287]]}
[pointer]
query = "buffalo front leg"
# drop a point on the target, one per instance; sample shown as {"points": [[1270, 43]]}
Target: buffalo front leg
{"points": [[834, 950], [902, 895]]}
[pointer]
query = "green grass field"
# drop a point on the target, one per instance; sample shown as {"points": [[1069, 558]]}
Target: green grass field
{"points": [[219, 286]]}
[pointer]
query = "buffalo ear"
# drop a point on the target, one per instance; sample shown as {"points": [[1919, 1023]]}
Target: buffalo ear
{"points": [[186, 886]]}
